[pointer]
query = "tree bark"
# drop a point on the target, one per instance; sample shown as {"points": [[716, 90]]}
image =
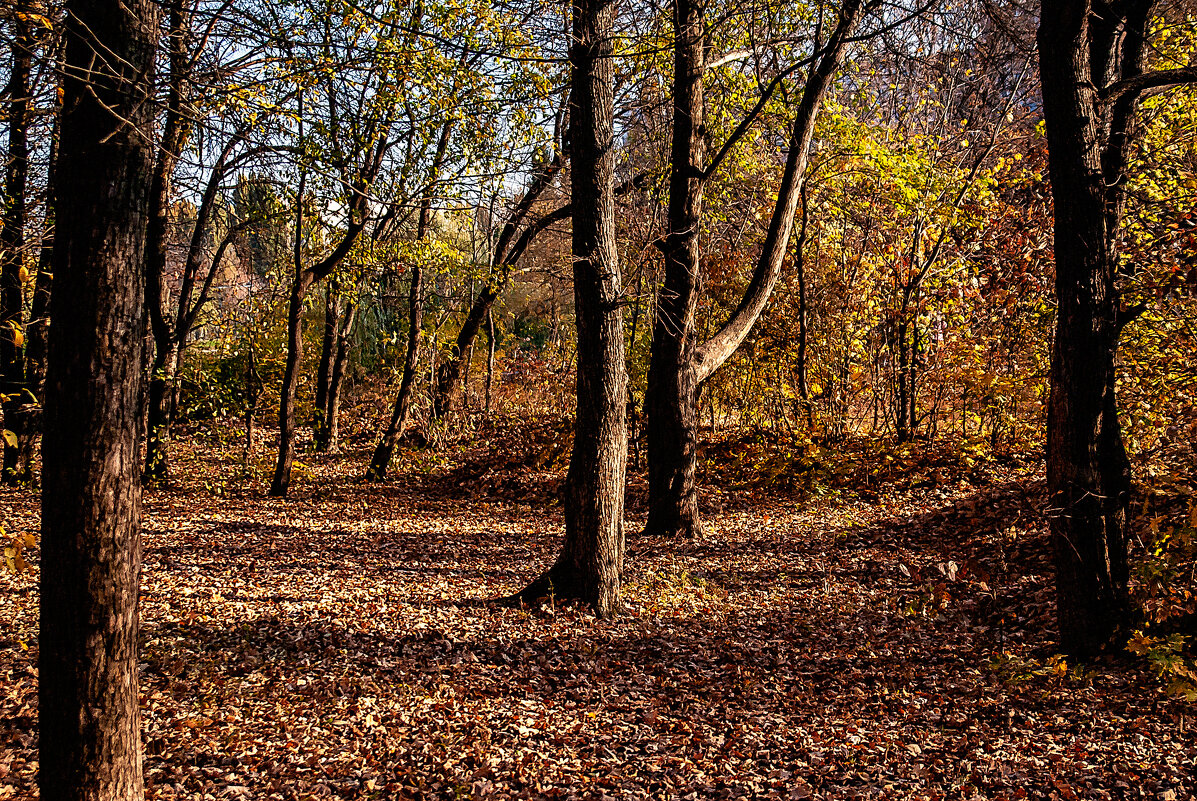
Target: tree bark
{"points": [[380, 461], [286, 413], [328, 354], [490, 357], [13, 387], [328, 435], [1088, 475], [91, 548], [590, 565], [174, 134], [677, 365], [671, 398]]}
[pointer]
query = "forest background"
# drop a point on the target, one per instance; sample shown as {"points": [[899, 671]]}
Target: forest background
{"points": [[360, 229]]}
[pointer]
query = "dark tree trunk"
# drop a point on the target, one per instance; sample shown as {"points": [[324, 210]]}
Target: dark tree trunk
{"points": [[13, 387], [912, 372], [1087, 473], [678, 366], [305, 278], [671, 400], [380, 461], [1091, 62], [174, 133], [91, 548], [328, 435], [803, 314], [159, 410], [490, 357], [451, 373], [328, 352], [286, 412], [590, 565], [901, 392]]}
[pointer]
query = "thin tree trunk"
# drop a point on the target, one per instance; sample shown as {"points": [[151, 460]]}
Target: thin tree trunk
{"points": [[305, 278], [901, 393], [89, 720], [286, 413], [803, 313], [13, 386], [590, 565], [490, 357], [174, 134], [159, 412], [329, 433], [450, 374], [912, 414], [380, 461], [328, 350]]}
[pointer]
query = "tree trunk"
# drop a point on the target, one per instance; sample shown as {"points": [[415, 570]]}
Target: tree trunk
{"points": [[91, 548], [450, 374], [677, 366], [803, 314], [174, 133], [1087, 475], [286, 412], [159, 414], [590, 565], [380, 462], [901, 394], [671, 399], [13, 388], [329, 434], [328, 353], [490, 357]]}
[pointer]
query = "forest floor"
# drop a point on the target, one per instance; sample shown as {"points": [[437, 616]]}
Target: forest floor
{"points": [[888, 641]]}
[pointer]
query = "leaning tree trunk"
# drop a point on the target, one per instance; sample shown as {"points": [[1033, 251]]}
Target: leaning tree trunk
{"points": [[89, 722], [671, 399], [590, 565], [380, 461], [680, 367], [12, 252]]}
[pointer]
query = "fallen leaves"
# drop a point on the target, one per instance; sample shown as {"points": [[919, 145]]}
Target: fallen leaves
{"points": [[334, 646]]}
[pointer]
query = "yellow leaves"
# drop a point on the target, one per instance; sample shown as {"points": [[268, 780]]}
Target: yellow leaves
{"points": [[15, 547], [40, 20]]}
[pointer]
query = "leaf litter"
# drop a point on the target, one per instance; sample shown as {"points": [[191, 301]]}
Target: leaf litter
{"points": [[335, 645]]}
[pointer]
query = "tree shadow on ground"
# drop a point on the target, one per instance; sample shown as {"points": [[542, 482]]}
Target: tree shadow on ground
{"points": [[813, 670]]}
